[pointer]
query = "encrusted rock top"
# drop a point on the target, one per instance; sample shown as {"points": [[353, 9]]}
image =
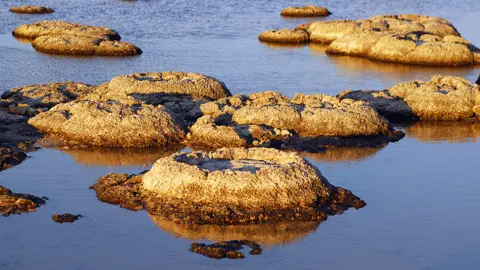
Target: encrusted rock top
{"points": [[109, 124], [284, 36], [305, 11], [42, 28], [46, 95], [13, 203], [31, 10]]}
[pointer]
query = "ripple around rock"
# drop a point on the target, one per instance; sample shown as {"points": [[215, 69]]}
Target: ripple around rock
{"points": [[406, 39], [45, 95], [442, 98], [13, 203], [31, 10], [83, 46], [306, 122], [305, 11], [109, 124], [229, 186], [43, 28]]}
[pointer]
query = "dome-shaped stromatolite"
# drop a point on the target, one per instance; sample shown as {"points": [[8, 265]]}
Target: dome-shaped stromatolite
{"points": [[441, 98], [306, 11], [141, 85], [286, 36], [83, 46], [109, 124], [31, 10], [43, 28], [229, 186], [46, 95], [268, 117]]}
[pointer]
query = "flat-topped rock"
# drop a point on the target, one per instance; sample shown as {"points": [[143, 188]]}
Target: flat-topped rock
{"points": [[14, 203], [229, 186], [31, 10], [46, 95], [305, 11], [441, 98], [43, 28], [109, 124], [286, 36], [83, 46]]}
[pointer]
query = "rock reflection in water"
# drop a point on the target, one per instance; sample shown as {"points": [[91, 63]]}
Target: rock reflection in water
{"points": [[118, 156], [343, 154], [264, 234], [462, 131]]}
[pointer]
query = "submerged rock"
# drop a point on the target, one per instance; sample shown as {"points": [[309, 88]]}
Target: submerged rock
{"points": [[43, 28], [83, 46], [228, 249], [223, 187], [306, 11], [306, 121], [65, 218], [45, 95], [284, 36], [14, 203], [109, 124], [441, 98], [31, 10]]}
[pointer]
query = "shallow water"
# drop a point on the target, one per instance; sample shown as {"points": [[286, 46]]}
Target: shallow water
{"points": [[421, 192]]}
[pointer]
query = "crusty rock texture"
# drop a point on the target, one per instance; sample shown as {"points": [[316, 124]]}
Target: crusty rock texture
{"points": [[65, 218], [13, 203], [109, 124], [46, 95], [10, 158], [226, 249], [43, 28], [276, 233], [229, 186], [83, 46], [31, 10], [441, 98], [148, 85], [286, 36], [271, 119], [407, 39], [306, 11]]}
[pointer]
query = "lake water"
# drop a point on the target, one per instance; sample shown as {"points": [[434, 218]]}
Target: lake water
{"points": [[422, 192]]}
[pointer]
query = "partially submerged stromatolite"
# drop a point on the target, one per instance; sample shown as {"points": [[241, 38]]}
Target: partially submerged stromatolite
{"points": [[14, 203], [229, 186]]}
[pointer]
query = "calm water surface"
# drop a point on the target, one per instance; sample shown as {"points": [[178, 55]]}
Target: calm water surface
{"points": [[422, 192]]}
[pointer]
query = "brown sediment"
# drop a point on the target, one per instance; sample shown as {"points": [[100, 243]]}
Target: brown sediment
{"points": [[45, 95], [220, 188], [83, 46], [43, 28], [276, 233], [65, 218], [445, 98], [15, 204], [227, 249], [109, 124], [305, 11], [286, 36], [31, 10], [304, 122]]}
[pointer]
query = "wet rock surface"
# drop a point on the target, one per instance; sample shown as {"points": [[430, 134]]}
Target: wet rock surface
{"points": [[227, 249], [445, 98], [224, 187], [83, 46], [305, 11], [306, 122], [31, 10], [65, 218], [14, 203], [45, 95], [109, 124], [406, 38]]}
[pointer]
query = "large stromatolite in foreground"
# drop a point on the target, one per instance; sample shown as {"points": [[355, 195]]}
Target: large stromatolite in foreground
{"points": [[229, 186]]}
